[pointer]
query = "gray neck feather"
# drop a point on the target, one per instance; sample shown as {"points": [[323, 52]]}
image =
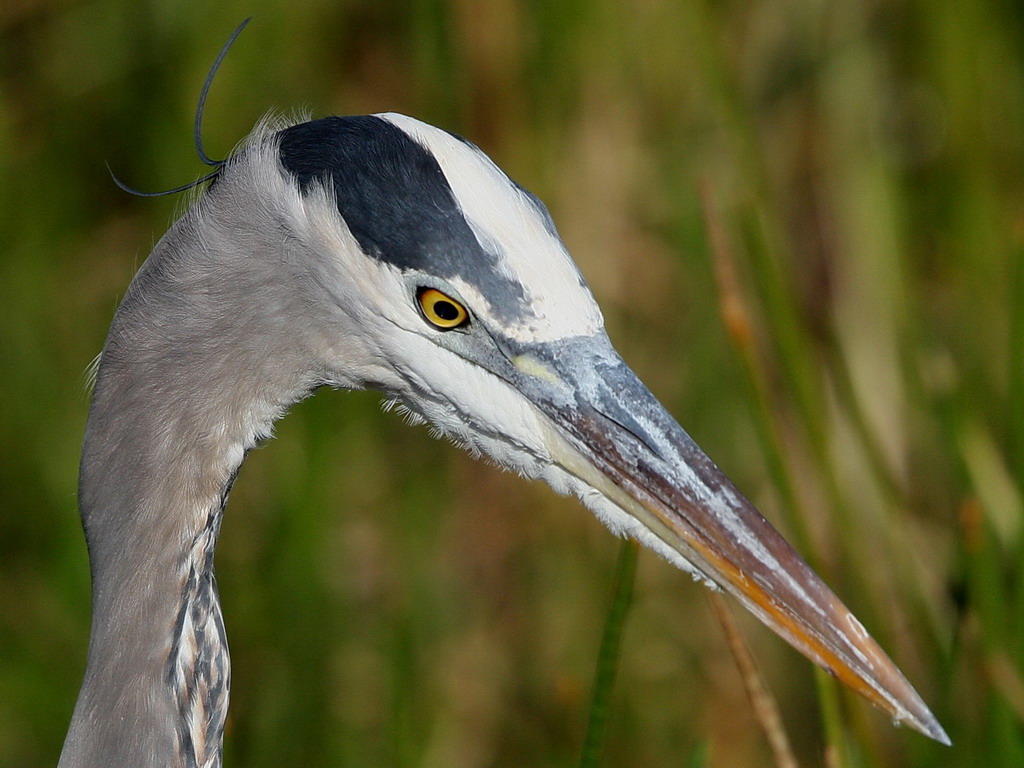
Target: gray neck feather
{"points": [[213, 341]]}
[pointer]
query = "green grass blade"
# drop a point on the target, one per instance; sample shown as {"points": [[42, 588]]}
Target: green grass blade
{"points": [[608, 655]]}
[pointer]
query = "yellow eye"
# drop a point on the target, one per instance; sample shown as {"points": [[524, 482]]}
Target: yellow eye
{"points": [[443, 311]]}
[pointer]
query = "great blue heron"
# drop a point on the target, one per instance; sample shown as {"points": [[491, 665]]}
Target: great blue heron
{"points": [[378, 252]]}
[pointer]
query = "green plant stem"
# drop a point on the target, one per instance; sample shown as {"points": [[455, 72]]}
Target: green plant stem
{"points": [[608, 655]]}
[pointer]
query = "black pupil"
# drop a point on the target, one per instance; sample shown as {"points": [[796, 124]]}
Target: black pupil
{"points": [[446, 310]]}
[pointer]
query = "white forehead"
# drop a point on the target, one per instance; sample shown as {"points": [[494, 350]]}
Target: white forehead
{"points": [[507, 222]]}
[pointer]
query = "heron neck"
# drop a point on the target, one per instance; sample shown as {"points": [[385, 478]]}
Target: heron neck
{"points": [[182, 392]]}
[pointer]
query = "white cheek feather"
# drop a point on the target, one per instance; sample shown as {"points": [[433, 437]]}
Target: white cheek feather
{"points": [[451, 393], [505, 220]]}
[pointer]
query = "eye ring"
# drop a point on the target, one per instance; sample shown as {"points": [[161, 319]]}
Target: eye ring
{"points": [[441, 310]]}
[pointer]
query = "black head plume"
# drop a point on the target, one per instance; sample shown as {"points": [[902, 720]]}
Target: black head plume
{"points": [[217, 165]]}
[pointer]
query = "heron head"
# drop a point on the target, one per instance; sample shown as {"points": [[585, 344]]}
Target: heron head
{"points": [[475, 318]]}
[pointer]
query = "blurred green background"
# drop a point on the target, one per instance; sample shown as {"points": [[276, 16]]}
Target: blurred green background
{"points": [[852, 354]]}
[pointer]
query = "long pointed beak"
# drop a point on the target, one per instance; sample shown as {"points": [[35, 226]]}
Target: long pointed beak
{"points": [[614, 436]]}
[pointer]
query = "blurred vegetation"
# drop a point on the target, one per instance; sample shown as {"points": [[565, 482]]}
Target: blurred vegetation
{"points": [[853, 357]]}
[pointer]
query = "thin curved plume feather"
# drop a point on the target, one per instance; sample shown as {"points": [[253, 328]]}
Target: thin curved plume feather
{"points": [[197, 131]]}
